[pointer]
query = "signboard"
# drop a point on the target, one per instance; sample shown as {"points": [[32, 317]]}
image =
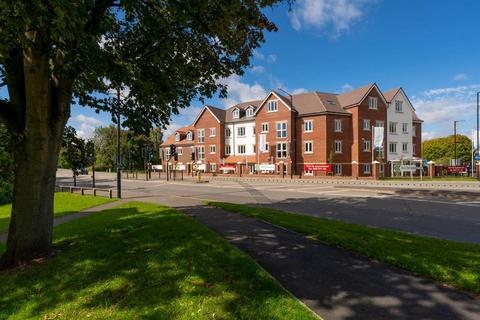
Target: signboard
{"points": [[408, 168], [180, 167], [477, 158], [227, 168], [318, 167], [201, 167], [456, 169], [266, 167], [157, 166]]}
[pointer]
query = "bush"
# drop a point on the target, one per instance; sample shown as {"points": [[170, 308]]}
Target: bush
{"points": [[6, 192]]}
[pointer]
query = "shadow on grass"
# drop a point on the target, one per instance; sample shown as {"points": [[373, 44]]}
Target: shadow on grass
{"points": [[144, 261]]}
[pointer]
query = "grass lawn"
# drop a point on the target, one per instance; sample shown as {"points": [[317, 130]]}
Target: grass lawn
{"points": [[454, 263], [142, 261], [65, 203]]}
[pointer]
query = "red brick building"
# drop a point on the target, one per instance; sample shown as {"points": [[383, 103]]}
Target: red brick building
{"points": [[307, 134]]}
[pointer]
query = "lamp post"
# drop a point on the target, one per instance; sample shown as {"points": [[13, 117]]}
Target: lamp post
{"points": [[455, 140], [478, 122], [119, 173]]}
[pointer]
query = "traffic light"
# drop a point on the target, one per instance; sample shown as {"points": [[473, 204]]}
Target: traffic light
{"points": [[173, 150]]}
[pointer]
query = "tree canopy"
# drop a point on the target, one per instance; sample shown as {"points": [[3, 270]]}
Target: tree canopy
{"points": [[441, 150]]}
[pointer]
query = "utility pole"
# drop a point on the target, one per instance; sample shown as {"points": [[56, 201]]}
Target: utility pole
{"points": [[119, 173], [478, 123]]}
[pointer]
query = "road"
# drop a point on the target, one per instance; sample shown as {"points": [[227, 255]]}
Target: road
{"points": [[442, 214]]}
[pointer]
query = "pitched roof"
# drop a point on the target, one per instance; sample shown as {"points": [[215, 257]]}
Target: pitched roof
{"points": [[390, 94], [356, 96], [183, 139], [415, 117], [218, 113], [315, 102], [241, 106]]}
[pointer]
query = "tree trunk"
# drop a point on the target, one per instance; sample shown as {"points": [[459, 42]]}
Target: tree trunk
{"points": [[36, 147]]}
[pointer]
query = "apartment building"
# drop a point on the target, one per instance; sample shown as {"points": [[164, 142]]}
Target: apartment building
{"points": [[308, 134]]}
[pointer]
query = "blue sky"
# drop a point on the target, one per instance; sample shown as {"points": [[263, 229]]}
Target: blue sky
{"points": [[430, 48]]}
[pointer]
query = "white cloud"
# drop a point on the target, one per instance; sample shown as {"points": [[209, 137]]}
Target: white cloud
{"points": [[85, 125], [427, 135], [271, 58], [338, 15], [346, 87], [258, 69], [460, 77], [258, 55], [239, 91], [298, 90], [81, 118]]}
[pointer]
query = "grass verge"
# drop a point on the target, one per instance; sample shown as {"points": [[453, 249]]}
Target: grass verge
{"points": [[142, 261], [65, 203], [451, 262]]}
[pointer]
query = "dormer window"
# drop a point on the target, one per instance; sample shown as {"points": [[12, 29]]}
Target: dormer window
{"points": [[189, 136], [250, 112], [177, 137], [236, 114]]}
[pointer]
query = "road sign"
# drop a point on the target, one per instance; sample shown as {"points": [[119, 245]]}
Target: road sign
{"points": [[477, 157]]}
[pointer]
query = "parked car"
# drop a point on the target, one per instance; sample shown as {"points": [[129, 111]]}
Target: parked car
{"points": [[80, 171]]}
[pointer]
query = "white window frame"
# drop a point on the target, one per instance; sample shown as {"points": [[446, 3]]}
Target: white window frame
{"points": [[189, 136], [249, 112], [373, 103], [380, 123], [236, 114], [228, 149], [272, 106], [308, 147], [241, 146], [282, 133], [177, 137], [398, 106], [308, 126], [241, 134], [180, 151], [201, 135], [367, 166], [282, 152], [366, 125], [414, 131], [338, 125], [213, 132], [404, 147], [265, 126], [337, 169], [212, 149], [405, 128], [392, 125], [392, 145], [366, 145], [228, 132], [338, 146], [201, 152]]}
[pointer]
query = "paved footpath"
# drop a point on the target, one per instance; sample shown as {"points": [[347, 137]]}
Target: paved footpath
{"points": [[332, 282]]}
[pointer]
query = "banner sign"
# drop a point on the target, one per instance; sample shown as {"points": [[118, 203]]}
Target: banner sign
{"points": [[377, 137], [227, 168], [157, 166], [318, 167], [201, 167], [408, 168], [266, 167], [262, 142], [180, 167], [456, 169]]}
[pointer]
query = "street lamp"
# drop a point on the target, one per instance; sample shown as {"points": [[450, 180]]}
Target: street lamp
{"points": [[455, 140], [119, 173], [478, 124]]}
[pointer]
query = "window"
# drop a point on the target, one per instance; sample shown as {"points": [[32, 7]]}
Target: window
{"points": [[281, 129], [392, 147], [254, 148], [399, 106], [379, 123], [405, 127], [213, 148], [414, 131], [338, 125], [179, 151], [236, 114], [308, 126], [189, 136], [372, 103], [308, 147], [241, 149], [266, 147], [167, 150], [213, 132], [177, 136], [228, 149], [366, 124], [201, 152], [253, 131], [264, 127], [241, 131], [213, 167], [201, 135], [414, 149], [250, 112], [405, 147], [337, 169], [367, 168], [228, 132], [366, 145], [338, 146], [381, 168], [281, 150], [272, 106], [308, 172], [392, 127]]}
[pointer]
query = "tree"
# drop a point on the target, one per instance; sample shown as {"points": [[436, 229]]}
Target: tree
{"points": [[158, 54], [74, 151], [6, 167], [441, 150]]}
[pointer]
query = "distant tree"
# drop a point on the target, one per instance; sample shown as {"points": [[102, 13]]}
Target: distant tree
{"points": [[74, 151], [441, 150]]}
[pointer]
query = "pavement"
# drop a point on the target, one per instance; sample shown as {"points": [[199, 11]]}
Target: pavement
{"points": [[453, 215]]}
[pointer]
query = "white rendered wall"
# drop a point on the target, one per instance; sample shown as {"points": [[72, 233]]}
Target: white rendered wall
{"points": [[399, 137]]}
